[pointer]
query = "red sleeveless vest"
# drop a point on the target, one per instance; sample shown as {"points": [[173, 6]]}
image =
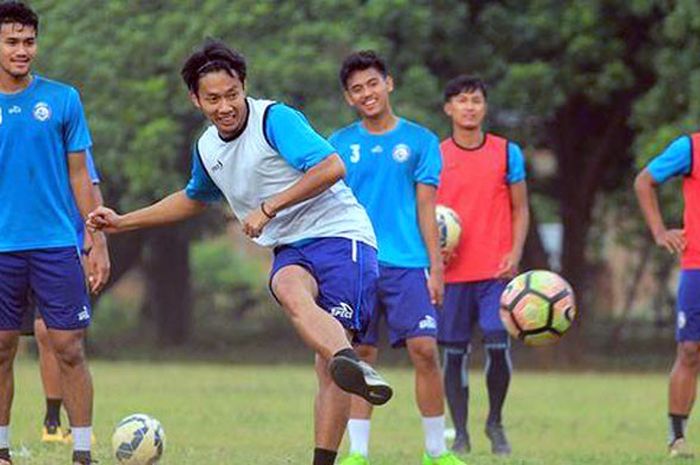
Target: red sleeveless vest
{"points": [[473, 183], [691, 214]]}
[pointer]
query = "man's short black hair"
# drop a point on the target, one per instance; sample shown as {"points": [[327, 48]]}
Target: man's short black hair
{"points": [[18, 13], [360, 61], [466, 84], [213, 56]]}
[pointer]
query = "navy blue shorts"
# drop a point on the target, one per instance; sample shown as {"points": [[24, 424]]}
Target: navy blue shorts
{"points": [[346, 274], [403, 301], [688, 307], [55, 280], [467, 303]]}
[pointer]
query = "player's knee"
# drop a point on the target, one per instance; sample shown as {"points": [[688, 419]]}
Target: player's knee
{"points": [[290, 297], [70, 353], [424, 355], [689, 355]]}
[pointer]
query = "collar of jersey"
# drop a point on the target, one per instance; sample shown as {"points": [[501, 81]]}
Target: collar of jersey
{"points": [[363, 130], [23, 92]]}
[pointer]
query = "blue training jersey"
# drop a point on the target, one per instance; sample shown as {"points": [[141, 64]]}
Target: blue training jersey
{"points": [[39, 127], [675, 160], [383, 171]]}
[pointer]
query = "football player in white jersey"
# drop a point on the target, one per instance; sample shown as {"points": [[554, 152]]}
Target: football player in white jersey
{"points": [[284, 183]]}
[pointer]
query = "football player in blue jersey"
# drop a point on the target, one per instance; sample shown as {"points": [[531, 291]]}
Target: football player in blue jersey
{"points": [[43, 139], [393, 168], [284, 183]]}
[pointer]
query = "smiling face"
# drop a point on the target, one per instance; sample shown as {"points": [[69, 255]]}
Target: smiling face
{"points": [[221, 97], [467, 109], [368, 91], [18, 48]]}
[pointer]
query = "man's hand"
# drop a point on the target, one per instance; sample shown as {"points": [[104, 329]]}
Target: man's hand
{"points": [[447, 256], [436, 285], [98, 266], [508, 267], [104, 219], [672, 239], [254, 223]]}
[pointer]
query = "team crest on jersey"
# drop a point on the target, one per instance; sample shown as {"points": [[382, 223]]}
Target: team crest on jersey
{"points": [[42, 111], [401, 153]]}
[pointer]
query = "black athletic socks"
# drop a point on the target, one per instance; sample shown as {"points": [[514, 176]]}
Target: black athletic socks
{"points": [[497, 381], [676, 426], [349, 353], [457, 388], [5, 454], [324, 456], [53, 412]]}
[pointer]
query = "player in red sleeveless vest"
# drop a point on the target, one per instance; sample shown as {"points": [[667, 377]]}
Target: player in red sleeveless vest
{"points": [[483, 181], [681, 158]]}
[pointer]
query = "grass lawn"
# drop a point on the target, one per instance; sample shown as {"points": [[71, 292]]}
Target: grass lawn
{"points": [[223, 414]]}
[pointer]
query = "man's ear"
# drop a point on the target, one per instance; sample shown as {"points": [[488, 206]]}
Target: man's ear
{"points": [[389, 83], [195, 100]]}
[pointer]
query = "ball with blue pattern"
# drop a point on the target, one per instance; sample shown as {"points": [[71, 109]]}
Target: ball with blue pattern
{"points": [[138, 439]]}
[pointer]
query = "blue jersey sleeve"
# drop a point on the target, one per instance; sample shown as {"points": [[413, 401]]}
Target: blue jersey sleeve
{"points": [[200, 186], [76, 133], [429, 165], [675, 160], [290, 134], [92, 169], [516, 164]]}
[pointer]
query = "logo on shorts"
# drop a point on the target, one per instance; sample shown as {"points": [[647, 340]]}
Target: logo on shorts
{"points": [[428, 322], [41, 111], [342, 311], [84, 315], [401, 153], [681, 320]]}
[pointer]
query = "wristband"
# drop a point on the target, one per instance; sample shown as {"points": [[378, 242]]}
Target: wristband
{"points": [[262, 209]]}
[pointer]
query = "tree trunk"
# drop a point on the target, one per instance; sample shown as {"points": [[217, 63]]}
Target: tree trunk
{"points": [[169, 293]]}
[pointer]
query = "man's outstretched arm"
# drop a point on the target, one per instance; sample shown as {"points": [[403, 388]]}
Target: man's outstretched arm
{"points": [[175, 207]]}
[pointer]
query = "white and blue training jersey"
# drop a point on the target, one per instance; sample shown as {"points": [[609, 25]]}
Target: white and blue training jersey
{"points": [[383, 171], [271, 154]]}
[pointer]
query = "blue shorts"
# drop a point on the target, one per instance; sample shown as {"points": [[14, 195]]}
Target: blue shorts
{"points": [[404, 301], [466, 303], [54, 278], [346, 274], [688, 307]]}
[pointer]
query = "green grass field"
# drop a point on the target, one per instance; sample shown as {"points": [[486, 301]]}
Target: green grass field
{"points": [[222, 414]]}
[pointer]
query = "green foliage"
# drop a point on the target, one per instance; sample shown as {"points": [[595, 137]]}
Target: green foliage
{"points": [[232, 302]]}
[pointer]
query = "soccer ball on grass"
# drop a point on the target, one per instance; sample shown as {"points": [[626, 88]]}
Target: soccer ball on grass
{"points": [[138, 440]]}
